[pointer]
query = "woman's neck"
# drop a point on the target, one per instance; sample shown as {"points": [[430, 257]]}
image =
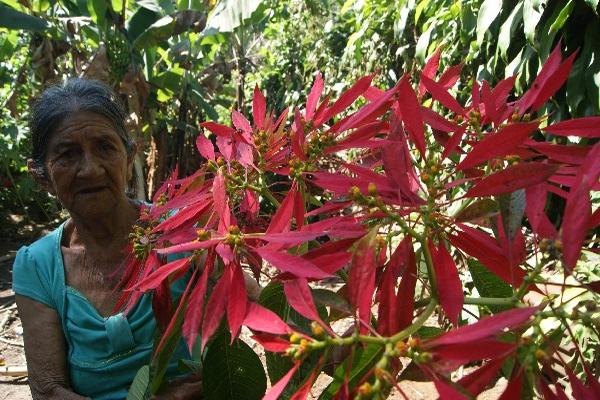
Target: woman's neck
{"points": [[103, 232]]}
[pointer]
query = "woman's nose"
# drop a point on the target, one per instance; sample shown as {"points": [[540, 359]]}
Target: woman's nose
{"points": [[90, 166]]}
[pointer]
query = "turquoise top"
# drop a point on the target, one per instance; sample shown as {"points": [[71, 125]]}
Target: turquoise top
{"points": [[103, 353]]}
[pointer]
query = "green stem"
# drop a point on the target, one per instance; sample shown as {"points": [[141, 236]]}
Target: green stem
{"points": [[397, 218], [480, 301], [267, 193], [418, 323]]}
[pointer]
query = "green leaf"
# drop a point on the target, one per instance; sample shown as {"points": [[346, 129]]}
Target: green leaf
{"points": [[331, 299], [593, 4], [489, 11], [235, 372], [488, 284], [13, 19], [479, 209], [429, 332], [508, 28], [141, 20], [192, 366], [168, 26], [139, 386], [512, 208], [229, 14], [423, 44], [205, 106], [562, 17], [363, 361], [532, 12], [97, 10]]}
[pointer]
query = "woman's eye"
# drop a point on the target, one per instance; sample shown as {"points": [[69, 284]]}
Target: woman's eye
{"points": [[107, 146], [67, 154]]}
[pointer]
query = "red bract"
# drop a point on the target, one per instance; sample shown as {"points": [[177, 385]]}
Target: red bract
{"points": [[356, 208]]}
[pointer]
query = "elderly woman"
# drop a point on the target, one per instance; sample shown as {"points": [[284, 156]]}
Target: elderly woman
{"points": [[64, 283]]}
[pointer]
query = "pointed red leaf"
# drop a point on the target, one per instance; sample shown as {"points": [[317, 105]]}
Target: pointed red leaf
{"points": [[485, 327], [288, 263], [205, 147], [575, 223], [436, 121], [240, 122], [447, 392], [588, 127], [236, 306], [274, 344], [454, 141], [516, 177], [225, 146], [180, 309], [498, 144], [299, 297], [578, 208], [313, 97], [280, 222], [259, 318], [486, 250], [449, 287], [216, 304], [298, 136], [361, 280], [439, 93], [549, 68], [277, 389], [405, 298], [513, 389], [259, 108], [189, 246], [162, 308], [195, 309], [462, 353], [570, 154], [477, 381], [535, 196], [430, 69], [218, 129], [299, 209], [450, 76], [304, 390], [346, 99], [554, 83], [411, 113], [580, 392], [367, 113], [154, 280]]}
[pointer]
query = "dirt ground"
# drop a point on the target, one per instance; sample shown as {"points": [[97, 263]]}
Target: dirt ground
{"points": [[11, 340], [16, 231]]}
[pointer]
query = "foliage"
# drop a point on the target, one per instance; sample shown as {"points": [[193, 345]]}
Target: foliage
{"points": [[406, 200]]}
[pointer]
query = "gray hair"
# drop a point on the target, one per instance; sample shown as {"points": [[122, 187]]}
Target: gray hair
{"points": [[74, 95]]}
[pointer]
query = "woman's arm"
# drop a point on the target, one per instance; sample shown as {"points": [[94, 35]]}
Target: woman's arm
{"points": [[45, 351]]}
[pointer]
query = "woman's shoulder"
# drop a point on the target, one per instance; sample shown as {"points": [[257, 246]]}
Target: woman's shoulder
{"points": [[37, 270], [46, 247]]}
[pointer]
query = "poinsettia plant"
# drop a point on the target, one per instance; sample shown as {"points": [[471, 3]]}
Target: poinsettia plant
{"points": [[409, 237]]}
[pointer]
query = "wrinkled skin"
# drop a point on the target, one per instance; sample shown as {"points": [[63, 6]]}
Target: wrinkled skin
{"points": [[87, 169]]}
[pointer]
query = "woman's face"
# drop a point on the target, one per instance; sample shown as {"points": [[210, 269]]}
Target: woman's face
{"points": [[88, 165]]}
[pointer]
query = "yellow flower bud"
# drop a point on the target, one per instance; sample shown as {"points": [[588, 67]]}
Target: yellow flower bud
{"points": [[295, 337], [372, 189]]}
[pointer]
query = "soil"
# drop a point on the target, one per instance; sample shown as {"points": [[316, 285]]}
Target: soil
{"points": [[18, 232]]}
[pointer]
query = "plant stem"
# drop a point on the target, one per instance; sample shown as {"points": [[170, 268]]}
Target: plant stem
{"points": [[480, 301], [267, 193]]}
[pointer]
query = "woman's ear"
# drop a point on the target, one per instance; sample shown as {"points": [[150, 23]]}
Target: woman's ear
{"points": [[40, 176]]}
